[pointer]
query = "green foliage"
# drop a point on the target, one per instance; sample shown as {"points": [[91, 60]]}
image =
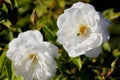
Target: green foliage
{"points": [[77, 61], [15, 18], [110, 14], [19, 78]]}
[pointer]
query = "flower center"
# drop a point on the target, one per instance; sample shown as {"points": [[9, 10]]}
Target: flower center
{"points": [[33, 57], [83, 30]]}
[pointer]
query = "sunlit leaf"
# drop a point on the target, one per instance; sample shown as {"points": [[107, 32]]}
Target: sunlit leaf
{"points": [[97, 77], [5, 79], [61, 3], [110, 14], [116, 53], [19, 78], [77, 61], [114, 63], [7, 23], [106, 47]]}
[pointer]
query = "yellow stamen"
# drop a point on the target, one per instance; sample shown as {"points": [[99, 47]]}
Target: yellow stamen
{"points": [[83, 30], [33, 57]]}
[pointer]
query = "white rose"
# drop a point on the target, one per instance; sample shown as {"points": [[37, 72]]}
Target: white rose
{"points": [[82, 30], [32, 57]]}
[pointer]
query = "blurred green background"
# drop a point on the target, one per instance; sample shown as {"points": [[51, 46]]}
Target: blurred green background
{"points": [[15, 18]]}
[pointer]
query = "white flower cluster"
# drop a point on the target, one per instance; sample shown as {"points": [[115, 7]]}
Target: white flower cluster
{"points": [[32, 57], [82, 30]]}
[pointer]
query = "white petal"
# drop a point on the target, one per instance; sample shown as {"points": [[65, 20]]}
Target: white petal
{"points": [[70, 11], [79, 17], [28, 64], [106, 36], [81, 5], [72, 52], [13, 46], [76, 48], [102, 24], [94, 52], [53, 50], [87, 8], [28, 35], [20, 71], [61, 20], [68, 31], [37, 35], [94, 40], [78, 5]]}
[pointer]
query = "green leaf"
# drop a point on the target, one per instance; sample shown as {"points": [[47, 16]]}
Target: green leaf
{"points": [[77, 61], [19, 78], [48, 34], [2, 59], [58, 77], [2, 64], [2, 75], [7, 23], [116, 53], [9, 70], [61, 3], [106, 47], [59, 65], [110, 14], [97, 77], [5, 79], [49, 31], [114, 63]]}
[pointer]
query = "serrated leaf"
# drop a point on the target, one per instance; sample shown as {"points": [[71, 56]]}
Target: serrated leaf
{"points": [[77, 61]]}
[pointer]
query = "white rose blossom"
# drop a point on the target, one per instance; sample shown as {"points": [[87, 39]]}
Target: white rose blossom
{"points": [[82, 30], [32, 57]]}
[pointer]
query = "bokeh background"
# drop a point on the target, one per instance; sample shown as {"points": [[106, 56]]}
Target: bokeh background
{"points": [[15, 18]]}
